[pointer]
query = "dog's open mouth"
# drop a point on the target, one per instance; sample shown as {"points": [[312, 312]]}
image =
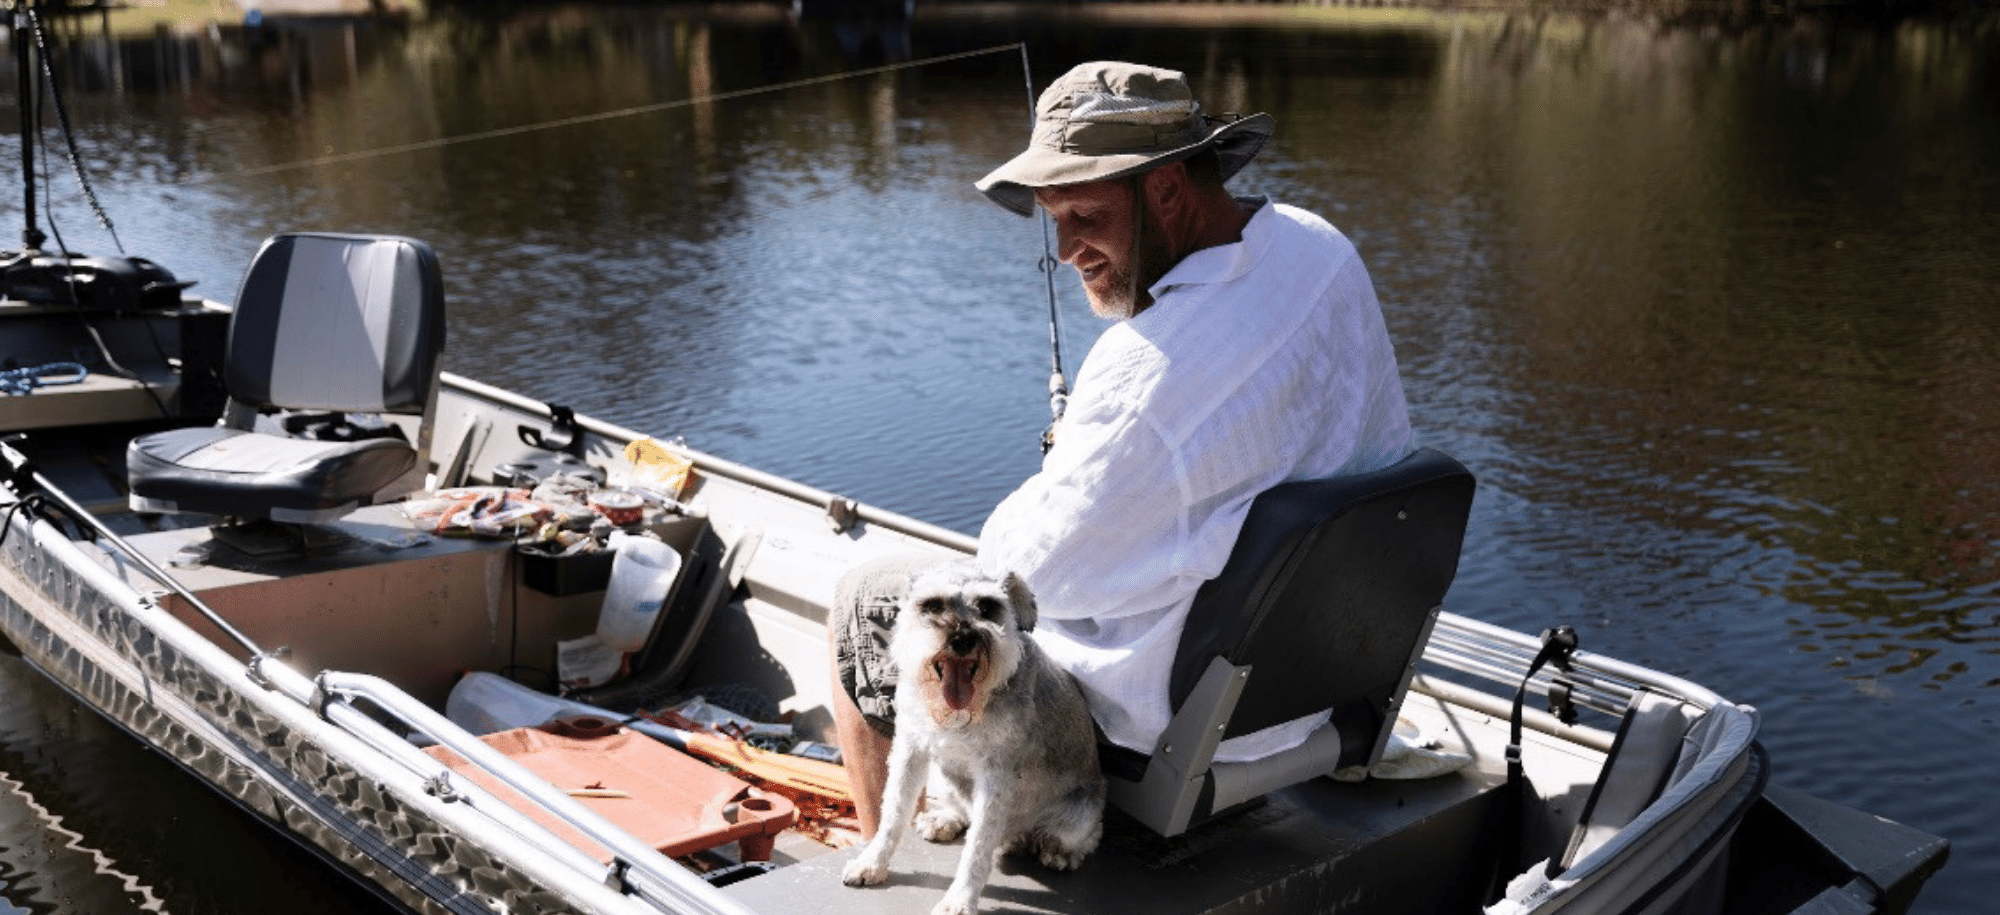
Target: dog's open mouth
{"points": [[957, 677]]}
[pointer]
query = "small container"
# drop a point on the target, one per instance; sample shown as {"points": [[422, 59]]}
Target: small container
{"points": [[618, 506], [483, 703], [642, 572]]}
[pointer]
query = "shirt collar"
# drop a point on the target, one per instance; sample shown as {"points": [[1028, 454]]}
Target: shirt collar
{"points": [[1223, 263]]}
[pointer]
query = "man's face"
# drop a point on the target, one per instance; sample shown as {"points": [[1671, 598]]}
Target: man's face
{"points": [[1094, 235]]}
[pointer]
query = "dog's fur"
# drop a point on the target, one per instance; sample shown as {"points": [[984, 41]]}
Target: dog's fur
{"points": [[1001, 734]]}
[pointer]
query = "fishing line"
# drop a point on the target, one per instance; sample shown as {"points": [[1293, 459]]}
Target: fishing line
{"points": [[604, 115]]}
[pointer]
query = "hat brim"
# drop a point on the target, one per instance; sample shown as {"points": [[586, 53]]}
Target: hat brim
{"points": [[1013, 184]]}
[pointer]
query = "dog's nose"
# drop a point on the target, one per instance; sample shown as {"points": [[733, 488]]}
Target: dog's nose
{"points": [[962, 641]]}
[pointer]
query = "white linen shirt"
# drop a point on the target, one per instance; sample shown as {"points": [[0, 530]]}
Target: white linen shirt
{"points": [[1260, 361]]}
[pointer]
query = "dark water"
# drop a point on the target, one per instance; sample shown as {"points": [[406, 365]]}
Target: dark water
{"points": [[1708, 303]]}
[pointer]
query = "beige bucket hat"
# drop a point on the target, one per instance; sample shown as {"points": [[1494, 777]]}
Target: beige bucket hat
{"points": [[1112, 120]]}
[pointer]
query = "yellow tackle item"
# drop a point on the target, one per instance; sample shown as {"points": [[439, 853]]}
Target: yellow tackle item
{"points": [[656, 465]]}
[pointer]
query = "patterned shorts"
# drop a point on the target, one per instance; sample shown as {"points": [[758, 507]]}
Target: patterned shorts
{"points": [[863, 615]]}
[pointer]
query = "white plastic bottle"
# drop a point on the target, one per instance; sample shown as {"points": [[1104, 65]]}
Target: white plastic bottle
{"points": [[641, 573]]}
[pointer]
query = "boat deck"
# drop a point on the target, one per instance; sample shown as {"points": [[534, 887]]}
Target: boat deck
{"points": [[1321, 845]]}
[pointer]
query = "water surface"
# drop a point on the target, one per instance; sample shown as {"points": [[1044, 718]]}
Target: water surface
{"points": [[1707, 303]]}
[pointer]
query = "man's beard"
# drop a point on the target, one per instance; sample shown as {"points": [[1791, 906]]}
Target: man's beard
{"points": [[1124, 298]]}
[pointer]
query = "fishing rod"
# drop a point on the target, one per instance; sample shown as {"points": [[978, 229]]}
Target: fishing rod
{"points": [[1058, 387]]}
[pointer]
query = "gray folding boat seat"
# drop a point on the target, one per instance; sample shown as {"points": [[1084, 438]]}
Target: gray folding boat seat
{"points": [[1325, 604], [333, 329], [1648, 753]]}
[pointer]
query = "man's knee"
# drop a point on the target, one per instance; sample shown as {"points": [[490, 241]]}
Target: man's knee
{"points": [[860, 624]]}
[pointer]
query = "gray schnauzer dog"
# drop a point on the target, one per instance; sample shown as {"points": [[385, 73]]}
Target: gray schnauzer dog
{"points": [[999, 732]]}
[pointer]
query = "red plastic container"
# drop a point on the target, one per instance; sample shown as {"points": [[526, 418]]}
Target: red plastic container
{"points": [[665, 798]]}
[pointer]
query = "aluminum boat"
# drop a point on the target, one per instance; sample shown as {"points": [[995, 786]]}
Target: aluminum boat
{"points": [[213, 539]]}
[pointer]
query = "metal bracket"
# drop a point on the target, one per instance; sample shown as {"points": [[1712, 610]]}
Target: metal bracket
{"points": [[1561, 703], [564, 433], [438, 785], [842, 514]]}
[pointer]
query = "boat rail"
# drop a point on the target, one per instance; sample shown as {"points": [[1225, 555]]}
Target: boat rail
{"points": [[727, 469], [1458, 643], [636, 867], [1597, 682]]}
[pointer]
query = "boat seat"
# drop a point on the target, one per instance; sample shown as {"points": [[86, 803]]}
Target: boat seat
{"points": [[1646, 755], [1325, 603], [336, 329]]}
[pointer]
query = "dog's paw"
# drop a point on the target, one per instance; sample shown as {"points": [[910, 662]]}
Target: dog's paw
{"points": [[1056, 857], [940, 826], [865, 871], [955, 903]]}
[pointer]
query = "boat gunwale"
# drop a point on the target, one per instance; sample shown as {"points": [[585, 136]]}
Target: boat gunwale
{"points": [[1617, 679]]}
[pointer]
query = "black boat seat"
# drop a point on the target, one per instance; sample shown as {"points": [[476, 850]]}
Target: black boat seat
{"points": [[1325, 604], [345, 325]]}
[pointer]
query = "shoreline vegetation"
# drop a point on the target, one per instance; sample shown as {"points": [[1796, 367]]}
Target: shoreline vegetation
{"points": [[126, 16]]}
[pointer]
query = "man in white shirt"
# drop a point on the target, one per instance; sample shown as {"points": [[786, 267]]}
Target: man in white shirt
{"points": [[1250, 351]]}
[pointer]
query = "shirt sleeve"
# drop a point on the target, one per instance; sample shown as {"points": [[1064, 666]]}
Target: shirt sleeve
{"points": [[1101, 532]]}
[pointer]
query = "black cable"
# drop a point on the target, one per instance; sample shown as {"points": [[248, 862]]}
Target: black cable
{"points": [[69, 136]]}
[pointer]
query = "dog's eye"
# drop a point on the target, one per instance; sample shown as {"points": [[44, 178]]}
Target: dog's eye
{"points": [[932, 605], [989, 609]]}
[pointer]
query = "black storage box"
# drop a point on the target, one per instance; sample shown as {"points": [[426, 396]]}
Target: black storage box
{"points": [[552, 573]]}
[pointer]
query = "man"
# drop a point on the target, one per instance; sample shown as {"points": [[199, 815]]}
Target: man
{"points": [[1250, 350]]}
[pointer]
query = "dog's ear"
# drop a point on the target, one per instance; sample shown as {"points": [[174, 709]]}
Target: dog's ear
{"points": [[1022, 599]]}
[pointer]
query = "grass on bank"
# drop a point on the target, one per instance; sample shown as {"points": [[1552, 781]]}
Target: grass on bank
{"points": [[126, 16]]}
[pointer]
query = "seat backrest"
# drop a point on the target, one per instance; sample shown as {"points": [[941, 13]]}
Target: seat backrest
{"points": [[1328, 595], [1643, 759], [346, 323]]}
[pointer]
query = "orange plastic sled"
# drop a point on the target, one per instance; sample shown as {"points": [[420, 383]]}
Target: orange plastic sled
{"points": [[665, 798]]}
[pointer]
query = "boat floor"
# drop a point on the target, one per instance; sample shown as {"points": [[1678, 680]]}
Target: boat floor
{"points": [[1316, 846]]}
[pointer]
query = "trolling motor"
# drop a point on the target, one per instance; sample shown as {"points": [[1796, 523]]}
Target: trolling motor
{"points": [[118, 283], [114, 284]]}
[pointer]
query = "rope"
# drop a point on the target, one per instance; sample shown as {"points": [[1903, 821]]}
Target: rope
{"points": [[24, 380]]}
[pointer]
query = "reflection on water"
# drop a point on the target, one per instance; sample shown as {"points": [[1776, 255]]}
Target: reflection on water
{"points": [[90, 822], [1706, 304]]}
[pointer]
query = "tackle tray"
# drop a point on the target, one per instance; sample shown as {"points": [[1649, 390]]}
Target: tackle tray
{"points": [[663, 797]]}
